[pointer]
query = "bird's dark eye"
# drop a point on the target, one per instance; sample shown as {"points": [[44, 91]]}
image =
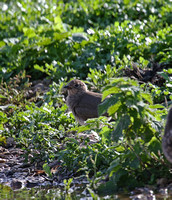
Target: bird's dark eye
{"points": [[76, 85]]}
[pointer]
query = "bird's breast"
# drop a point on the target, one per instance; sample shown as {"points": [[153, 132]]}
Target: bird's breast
{"points": [[72, 101]]}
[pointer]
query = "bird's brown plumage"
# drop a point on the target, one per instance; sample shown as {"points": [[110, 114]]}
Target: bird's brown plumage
{"points": [[167, 138], [82, 103]]}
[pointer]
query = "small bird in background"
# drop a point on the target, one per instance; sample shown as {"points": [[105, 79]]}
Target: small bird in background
{"points": [[167, 138], [82, 103]]}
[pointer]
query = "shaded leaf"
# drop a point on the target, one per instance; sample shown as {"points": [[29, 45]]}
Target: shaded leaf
{"points": [[122, 124]]}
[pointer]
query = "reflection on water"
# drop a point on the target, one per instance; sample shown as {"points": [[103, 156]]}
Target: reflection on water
{"points": [[6, 193]]}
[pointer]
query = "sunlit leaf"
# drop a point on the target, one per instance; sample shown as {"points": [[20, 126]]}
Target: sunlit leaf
{"points": [[147, 97], [47, 170], [103, 107], [112, 90], [114, 108]]}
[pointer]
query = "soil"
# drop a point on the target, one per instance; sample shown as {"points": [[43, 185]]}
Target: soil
{"points": [[17, 173]]}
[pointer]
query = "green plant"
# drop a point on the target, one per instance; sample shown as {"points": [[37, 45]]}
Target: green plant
{"points": [[47, 170], [163, 93], [14, 92], [136, 135], [94, 41]]}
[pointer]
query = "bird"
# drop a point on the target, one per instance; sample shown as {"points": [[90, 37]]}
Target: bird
{"points": [[167, 137], [82, 102]]}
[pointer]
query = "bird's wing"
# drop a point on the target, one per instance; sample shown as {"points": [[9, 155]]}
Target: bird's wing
{"points": [[85, 113], [87, 107]]}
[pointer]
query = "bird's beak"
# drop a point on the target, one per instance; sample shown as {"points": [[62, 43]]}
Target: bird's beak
{"points": [[67, 87]]}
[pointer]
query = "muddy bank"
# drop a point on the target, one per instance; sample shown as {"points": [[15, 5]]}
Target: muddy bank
{"points": [[18, 174]]}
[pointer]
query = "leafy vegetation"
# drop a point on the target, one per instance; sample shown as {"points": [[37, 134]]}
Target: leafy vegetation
{"points": [[95, 41]]}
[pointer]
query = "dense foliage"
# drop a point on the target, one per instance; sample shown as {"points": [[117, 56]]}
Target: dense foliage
{"points": [[95, 41]]}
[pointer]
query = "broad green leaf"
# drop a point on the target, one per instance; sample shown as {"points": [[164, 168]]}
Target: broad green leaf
{"points": [[45, 41], [157, 106], [113, 109], [126, 1], [169, 71], [81, 128], [164, 75], [47, 170], [135, 163], [57, 20], [40, 68], [122, 124], [112, 90], [2, 44], [147, 97], [60, 36], [154, 145], [2, 96], [114, 166], [103, 107], [29, 32], [58, 24]]}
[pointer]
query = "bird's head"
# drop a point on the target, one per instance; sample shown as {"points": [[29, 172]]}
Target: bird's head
{"points": [[75, 86]]}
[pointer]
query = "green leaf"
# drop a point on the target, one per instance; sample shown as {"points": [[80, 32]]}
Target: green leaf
{"points": [[169, 71], [126, 2], [114, 166], [147, 97], [122, 124], [47, 170], [113, 109], [2, 44], [112, 90], [26, 118], [164, 75], [40, 68], [157, 106], [92, 193], [81, 128], [2, 96], [107, 188], [103, 107], [57, 20], [60, 36], [79, 37], [29, 32], [58, 24], [154, 145]]}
